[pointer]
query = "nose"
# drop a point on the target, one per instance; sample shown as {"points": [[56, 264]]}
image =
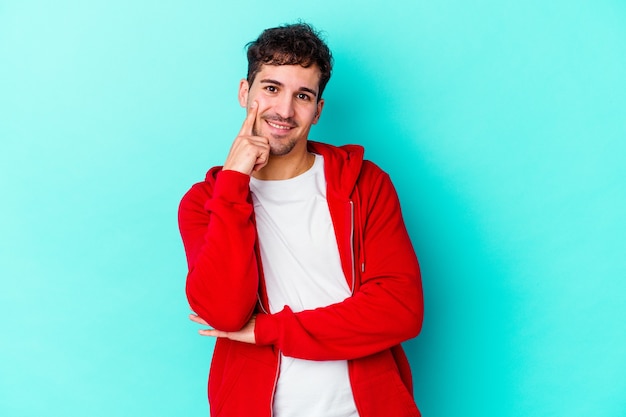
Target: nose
{"points": [[284, 106]]}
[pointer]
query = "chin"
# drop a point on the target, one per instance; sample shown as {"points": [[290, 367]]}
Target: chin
{"points": [[282, 148]]}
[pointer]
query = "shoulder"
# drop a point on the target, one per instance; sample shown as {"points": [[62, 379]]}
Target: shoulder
{"points": [[201, 191], [375, 189], [371, 175]]}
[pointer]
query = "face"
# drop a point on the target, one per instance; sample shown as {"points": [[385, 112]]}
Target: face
{"points": [[287, 96]]}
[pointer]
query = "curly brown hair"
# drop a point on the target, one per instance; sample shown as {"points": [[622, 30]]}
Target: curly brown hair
{"points": [[294, 44]]}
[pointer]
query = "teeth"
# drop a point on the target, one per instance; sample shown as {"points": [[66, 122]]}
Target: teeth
{"points": [[278, 126]]}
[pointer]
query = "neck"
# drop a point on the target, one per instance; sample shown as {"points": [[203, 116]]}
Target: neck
{"points": [[285, 166]]}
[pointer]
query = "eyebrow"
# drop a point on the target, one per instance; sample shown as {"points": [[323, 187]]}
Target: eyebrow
{"points": [[278, 83]]}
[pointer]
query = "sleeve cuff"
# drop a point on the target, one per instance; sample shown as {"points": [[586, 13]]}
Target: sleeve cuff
{"points": [[266, 329], [232, 186]]}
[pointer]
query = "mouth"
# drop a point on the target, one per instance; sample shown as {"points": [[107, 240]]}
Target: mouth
{"points": [[280, 126]]}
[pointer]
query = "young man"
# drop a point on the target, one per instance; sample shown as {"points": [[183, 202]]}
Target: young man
{"points": [[298, 256]]}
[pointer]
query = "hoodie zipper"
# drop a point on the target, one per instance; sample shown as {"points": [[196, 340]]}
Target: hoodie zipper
{"points": [[277, 364], [353, 267], [275, 384], [258, 296]]}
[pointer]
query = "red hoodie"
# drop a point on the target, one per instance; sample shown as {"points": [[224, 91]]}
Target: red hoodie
{"points": [[225, 287]]}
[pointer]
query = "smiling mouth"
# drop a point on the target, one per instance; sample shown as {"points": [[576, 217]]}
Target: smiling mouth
{"points": [[280, 126]]}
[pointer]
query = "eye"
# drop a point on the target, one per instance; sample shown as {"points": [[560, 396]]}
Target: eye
{"points": [[304, 97], [271, 89]]}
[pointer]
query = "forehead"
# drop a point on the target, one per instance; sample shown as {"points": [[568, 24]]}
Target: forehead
{"points": [[293, 76]]}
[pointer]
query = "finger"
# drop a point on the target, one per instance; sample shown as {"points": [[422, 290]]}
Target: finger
{"points": [[248, 124], [197, 319], [212, 333], [261, 160]]}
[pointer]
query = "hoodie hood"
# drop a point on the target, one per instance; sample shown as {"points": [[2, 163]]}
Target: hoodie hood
{"points": [[344, 162]]}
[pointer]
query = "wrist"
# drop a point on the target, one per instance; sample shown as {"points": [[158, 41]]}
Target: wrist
{"points": [[266, 329], [232, 186]]}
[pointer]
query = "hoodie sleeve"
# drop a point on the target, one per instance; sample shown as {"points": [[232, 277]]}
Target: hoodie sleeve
{"points": [[218, 233], [385, 310]]}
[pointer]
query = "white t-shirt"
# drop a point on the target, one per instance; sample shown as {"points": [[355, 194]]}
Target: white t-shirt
{"points": [[302, 269]]}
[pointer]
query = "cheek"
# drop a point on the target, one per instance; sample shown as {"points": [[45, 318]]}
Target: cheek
{"points": [[313, 116], [264, 104]]}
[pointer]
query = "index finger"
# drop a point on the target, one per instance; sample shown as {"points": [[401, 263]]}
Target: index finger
{"points": [[248, 124], [196, 318]]}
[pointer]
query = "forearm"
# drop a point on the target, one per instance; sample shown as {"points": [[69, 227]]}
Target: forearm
{"points": [[382, 314]]}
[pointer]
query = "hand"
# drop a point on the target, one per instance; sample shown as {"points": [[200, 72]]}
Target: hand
{"points": [[248, 153], [246, 334]]}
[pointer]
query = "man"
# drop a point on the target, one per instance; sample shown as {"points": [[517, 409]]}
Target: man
{"points": [[299, 259]]}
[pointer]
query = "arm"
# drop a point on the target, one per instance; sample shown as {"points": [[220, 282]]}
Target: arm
{"points": [[219, 235], [387, 308], [216, 224]]}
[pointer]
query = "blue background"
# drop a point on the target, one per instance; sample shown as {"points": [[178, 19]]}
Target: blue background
{"points": [[502, 125]]}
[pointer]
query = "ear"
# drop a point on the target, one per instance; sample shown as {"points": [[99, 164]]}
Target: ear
{"points": [[320, 106], [244, 88]]}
